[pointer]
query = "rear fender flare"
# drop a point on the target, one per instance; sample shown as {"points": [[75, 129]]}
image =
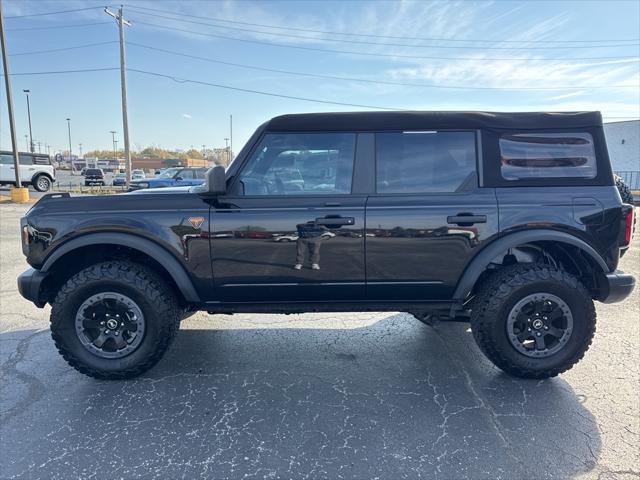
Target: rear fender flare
{"points": [[484, 257]]}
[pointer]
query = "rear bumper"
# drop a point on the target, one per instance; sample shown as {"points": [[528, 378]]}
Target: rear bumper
{"points": [[617, 287], [30, 286]]}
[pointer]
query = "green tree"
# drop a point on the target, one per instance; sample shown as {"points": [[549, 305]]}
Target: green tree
{"points": [[193, 153]]}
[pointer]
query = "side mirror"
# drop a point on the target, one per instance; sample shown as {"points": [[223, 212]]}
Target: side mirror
{"points": [[178, 178], [215, 182]]}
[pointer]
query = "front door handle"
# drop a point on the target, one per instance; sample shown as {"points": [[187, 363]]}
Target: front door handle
{"points": [[335, 221], [466, 220]]}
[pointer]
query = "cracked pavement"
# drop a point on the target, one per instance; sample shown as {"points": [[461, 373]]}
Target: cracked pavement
{"points": [[370, 395]]}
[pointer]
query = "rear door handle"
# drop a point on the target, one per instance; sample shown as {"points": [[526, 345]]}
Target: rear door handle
{"points": [[337, 221], [466, 220]]}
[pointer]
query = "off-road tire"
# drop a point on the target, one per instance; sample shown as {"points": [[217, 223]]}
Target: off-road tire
{"points": [[158, 304], [42, 183], [498, 295], [625, 191], [185, 313]]}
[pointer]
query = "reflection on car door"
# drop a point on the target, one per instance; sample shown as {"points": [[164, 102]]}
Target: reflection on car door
{"points": [[428, 216], [7, 172], [296, 186]]}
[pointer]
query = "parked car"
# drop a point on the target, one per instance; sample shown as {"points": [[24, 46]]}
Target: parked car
{"points": [[94, 176], [138, 175], [509, 221], [35, 169], [292, 237], [172, 177], [119, 180]]}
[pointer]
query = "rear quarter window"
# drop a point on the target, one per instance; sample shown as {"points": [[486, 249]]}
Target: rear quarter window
{"points": [[41, 160], [547, 155]]}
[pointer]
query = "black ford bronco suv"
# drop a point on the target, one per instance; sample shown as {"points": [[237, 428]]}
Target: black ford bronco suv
{"points": [[509, 221]]}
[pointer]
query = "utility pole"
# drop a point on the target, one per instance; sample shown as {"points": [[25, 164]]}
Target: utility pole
{"points": [[26, 141], [32, 150], [123, 85], [80, 148], [226, 147], [7, 84], [231, 138], [39, 144]]}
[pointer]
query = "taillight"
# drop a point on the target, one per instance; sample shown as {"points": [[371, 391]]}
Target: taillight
{"points": [[628, 226]]}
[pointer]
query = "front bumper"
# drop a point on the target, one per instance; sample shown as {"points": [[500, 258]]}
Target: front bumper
{"points": [[617, 287], [30, 286]]}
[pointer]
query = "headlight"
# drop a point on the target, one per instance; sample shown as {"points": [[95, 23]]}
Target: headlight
{"points": [[141, 184]]}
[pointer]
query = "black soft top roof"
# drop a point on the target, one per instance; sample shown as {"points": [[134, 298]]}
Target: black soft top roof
{"points": [[413, 120]]}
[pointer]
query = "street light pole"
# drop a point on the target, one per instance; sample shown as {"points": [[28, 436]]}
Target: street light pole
{"points": [[113, 142], [32, 149], [226, 147], [69, 131]]}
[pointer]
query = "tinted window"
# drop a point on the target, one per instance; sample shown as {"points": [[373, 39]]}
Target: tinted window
{"points": [[425, 162], [301, 164], [186, 174], [41, 160], [93, 171], [200, 172], [25, 159], [6, 159], [547, 155]]}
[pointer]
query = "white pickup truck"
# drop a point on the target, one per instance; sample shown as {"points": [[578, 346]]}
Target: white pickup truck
{"points": [[35, 169]]}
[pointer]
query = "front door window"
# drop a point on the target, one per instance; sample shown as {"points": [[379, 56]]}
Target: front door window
{"points": [[300, 164]]}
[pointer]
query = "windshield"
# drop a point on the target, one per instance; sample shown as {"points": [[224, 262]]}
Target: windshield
{"points": [[168, 173]]}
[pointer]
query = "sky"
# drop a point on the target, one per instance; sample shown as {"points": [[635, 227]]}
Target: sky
{"points": [[361, 55]]}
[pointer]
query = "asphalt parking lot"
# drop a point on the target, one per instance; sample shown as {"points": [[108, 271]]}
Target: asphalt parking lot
{"points": [[376, 395]]}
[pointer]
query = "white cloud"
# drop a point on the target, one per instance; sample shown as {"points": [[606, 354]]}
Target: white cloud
{"points": [[186, 115], [568, 95]]}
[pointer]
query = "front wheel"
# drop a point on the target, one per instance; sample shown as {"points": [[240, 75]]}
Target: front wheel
{"points": [[114, 320], [533, 320]]}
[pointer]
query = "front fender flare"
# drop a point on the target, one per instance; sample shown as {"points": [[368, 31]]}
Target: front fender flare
{"points": [[486, 255], [148, 247]]}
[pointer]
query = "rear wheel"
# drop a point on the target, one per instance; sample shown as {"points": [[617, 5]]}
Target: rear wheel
{"points": [[532, 320], [114, 320], [42, 183]]}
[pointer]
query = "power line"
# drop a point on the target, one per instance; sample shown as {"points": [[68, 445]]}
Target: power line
{"points": [[380, 44], [64, 49], [55, 27], [56, 72], [329, 32], [53, 13], [258, 92], [392, 55], [228, 87], [364, 80]]}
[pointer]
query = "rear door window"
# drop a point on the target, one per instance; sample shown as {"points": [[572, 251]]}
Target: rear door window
{"points": [[425, 162], [547, 155], [26, 159]]}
